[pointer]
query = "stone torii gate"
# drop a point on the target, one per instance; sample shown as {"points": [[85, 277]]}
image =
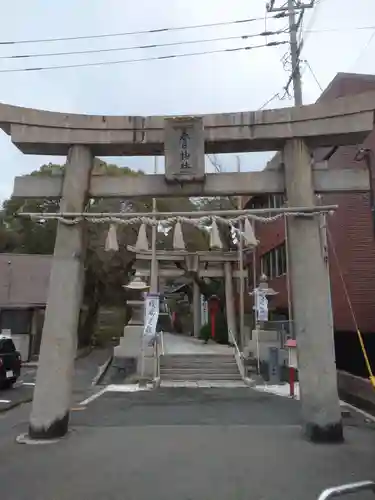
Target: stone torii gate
{"points": [[220, 265], [293, 131]]}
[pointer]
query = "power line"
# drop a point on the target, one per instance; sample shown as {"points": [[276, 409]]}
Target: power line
{"points": [[363, 49], [215, 163], [277, 95], [290, 8], [149, 46], [311, 23], [333, 30], [313, 74], [140, 32], [182, 42], [143, 59]]}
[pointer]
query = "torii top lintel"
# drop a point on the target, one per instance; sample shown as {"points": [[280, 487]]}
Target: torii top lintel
{"points": [[343, 121]]}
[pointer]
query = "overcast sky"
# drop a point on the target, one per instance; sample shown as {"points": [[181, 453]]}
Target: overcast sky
{"points": [[234, 81]]}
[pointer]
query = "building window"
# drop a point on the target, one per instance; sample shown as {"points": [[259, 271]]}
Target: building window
{"points": [[18, 321], [281, 259], [267, 201], [266, 264], [273, 263], [278, 200]]}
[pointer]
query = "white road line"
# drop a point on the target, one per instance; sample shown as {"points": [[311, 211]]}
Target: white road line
{"points": [[28, 383], [93, 397], [127, 388], [5, 401], [114, 388], [358, 410]]}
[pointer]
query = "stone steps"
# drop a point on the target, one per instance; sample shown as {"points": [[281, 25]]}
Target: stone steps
{"points": [[186, 364], [202, 376], [189, 367], [189, 370]]}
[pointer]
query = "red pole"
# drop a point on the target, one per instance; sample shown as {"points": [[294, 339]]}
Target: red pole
{"points": [[291, 382], [213, 315]]}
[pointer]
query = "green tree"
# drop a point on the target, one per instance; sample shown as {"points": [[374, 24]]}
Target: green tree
{"points": [[105, 272]]}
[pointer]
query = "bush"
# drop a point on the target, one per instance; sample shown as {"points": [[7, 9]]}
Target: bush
{"points": [[221, 330], [205, 332]]}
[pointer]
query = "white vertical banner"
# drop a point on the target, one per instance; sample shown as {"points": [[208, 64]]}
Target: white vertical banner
{"points": [[151, 314], [261, 305], [204, 311]]}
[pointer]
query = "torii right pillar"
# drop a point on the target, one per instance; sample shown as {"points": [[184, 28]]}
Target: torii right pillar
{"points": [[312, 311]]}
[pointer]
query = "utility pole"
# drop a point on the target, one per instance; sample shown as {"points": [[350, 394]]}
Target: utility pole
{"points": [[241, 268], [289, 9], [294, 52], [154, 263], [296, 158]]}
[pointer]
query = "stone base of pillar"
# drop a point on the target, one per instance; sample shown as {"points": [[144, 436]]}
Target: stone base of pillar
{"points": [[127, 357], [131, 342], [148, 368], [331, 433], [56, 429]]}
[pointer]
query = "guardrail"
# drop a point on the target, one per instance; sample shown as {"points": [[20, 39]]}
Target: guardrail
{"points": [[347, 489], [356, 390]]}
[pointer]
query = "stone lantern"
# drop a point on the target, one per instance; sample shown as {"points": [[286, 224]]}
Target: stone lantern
{"points": [[263, 285], [262, 341], [137, 305], [127, 354]]}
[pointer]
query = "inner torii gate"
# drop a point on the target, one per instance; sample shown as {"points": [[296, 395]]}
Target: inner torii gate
{"points": [[220, 266], [293, 131]]}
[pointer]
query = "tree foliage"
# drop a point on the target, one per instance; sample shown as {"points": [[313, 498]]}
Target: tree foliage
{"points": [[105, 272]]}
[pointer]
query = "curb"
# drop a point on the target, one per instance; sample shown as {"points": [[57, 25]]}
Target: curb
{"points": [[249, 382], [85, 351], [11, 406], [101, 372], [81, 353]]}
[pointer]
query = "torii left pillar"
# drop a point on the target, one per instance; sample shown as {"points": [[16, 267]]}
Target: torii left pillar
{"points": [[52, 397]]}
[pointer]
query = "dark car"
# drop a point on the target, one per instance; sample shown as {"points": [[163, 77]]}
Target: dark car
{"points": [[10, 363]]}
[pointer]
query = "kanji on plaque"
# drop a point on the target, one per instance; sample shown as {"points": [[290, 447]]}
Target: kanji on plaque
{"points": [[184, 150]]}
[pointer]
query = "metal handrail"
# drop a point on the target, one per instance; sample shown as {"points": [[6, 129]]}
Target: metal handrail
{"points": [[237, 354], [346, 489], [158, 351], [161, 334], [156, 358]]}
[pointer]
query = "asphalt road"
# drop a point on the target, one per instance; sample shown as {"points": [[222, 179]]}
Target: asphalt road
{"points": [[21, 392], [85, 370], [182, 444]]}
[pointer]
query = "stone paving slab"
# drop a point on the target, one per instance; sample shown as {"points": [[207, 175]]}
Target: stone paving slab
{"points": [[181, 344]]}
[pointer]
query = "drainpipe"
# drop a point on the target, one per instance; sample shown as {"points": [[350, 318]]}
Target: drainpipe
{"points": [[366, 155]]}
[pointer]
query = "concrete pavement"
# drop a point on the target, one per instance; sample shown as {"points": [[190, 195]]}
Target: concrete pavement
{"points": [[183, 444], [181, 344]]}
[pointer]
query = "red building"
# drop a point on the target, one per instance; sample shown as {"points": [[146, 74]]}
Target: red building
{"points": [[351, 230]]}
